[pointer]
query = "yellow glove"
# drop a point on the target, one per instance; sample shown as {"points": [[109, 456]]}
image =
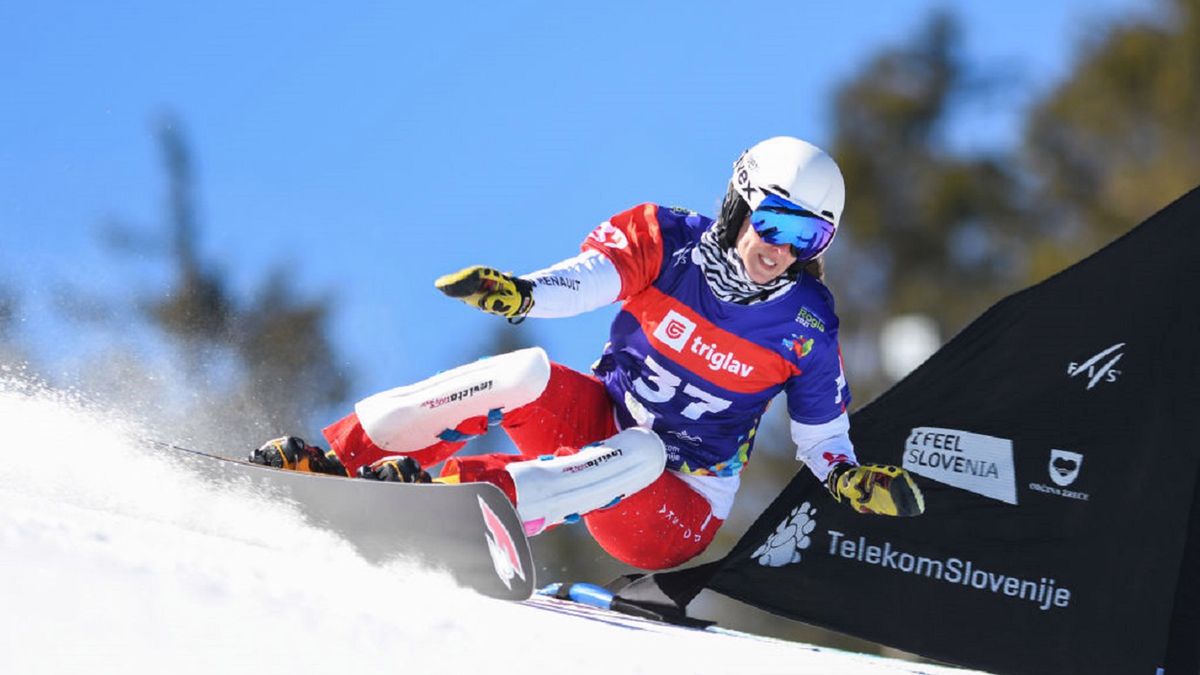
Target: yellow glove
{"points": [[876, 488], [491, 290]]}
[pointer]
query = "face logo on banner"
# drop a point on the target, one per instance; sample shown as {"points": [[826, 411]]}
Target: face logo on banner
{"points": [[674, 330], [1064, 466], [974, 462], [783, 547], [500, 543], [1095, 371]]}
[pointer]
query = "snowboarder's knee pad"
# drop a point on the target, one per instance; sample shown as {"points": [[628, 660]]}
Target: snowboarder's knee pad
{"points": [[409, 418], [554, 490]]}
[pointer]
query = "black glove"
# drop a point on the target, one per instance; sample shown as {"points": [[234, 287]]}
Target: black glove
{"points": [[395, 470], [292, 453], [491, 290]]}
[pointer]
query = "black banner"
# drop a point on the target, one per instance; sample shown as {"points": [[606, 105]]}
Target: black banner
{"points": [[1054, 439]]}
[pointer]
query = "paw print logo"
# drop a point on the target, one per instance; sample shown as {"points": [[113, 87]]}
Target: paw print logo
{"points": [[784, 545]]}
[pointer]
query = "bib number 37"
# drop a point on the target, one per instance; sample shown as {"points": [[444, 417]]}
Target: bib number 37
{"points": [[660, 385]]}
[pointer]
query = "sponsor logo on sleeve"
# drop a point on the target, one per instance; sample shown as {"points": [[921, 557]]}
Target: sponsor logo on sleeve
{"points": [[968, 461], [505, 558], [466, 392], [607, 234], [1098, 368], [554, 280], [1063, 468]]}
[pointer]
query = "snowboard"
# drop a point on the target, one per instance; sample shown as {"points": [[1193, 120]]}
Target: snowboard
{"points": [[470, 530]]}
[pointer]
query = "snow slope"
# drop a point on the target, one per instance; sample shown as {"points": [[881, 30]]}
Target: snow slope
{"points": [[113, 561]]}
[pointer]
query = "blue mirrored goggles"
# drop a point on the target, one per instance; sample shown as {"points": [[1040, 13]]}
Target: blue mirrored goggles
{"points": [[780, 222]]}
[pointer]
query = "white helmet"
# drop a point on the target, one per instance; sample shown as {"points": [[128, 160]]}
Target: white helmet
{"points": [[799, 172]]}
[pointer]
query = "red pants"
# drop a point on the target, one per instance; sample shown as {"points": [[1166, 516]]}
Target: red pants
{"points": [[663, 525]]}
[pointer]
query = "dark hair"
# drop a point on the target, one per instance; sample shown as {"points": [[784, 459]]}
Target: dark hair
{"points": [[734, 210]]}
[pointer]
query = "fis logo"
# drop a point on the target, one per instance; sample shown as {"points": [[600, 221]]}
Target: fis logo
{"points": [[1094, 370], [682, 256], [674, 330], [791, 537], [500, 543]]}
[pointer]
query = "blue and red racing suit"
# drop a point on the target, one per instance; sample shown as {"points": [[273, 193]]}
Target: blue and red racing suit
{"points": [[700, 371]]}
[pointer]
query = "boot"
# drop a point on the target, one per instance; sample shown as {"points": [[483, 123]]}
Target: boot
{"points": [[292, 453], [395, 469]]}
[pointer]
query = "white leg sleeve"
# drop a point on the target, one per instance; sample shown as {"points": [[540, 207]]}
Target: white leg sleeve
{"points": [[554, 490], [406, 419]]}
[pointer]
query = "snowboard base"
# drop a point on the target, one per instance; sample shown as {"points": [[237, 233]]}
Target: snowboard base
{"points": [[470, 530]]}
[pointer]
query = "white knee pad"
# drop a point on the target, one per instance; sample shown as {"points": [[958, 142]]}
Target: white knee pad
{"points": [[554, 490], [416, 416]]}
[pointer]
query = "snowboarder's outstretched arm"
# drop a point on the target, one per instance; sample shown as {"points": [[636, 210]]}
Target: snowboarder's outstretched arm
{"points": [[576, 285]]}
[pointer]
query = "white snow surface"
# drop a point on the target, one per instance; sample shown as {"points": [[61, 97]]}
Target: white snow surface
{"points": [[112, 560]]}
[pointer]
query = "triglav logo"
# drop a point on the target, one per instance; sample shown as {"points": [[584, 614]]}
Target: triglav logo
{"points": [[674, 330], [1094, 371], [1064, 466], [500, 543], [784, 545]]}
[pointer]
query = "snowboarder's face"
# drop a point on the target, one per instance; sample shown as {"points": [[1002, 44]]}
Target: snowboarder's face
{"points": [[764, 262]]}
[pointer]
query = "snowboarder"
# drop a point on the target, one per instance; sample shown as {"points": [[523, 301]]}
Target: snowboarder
{"points": [[717, 317]]}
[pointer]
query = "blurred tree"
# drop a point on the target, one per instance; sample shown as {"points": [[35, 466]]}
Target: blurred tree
{"points": [[1119, 138], [254, 368], [927, 230], [11, 354], [8, 310], [197, 310]]}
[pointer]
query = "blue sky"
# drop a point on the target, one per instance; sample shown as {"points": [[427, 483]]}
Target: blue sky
{"points": [[370, 147]]}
